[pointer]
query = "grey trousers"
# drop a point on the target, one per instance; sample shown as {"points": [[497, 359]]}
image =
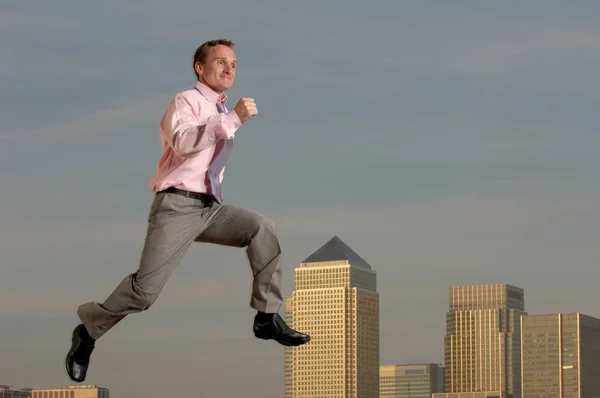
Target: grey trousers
{"points": [[174, 223]]}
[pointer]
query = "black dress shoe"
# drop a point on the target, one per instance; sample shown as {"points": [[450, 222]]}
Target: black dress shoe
{"points": [[276, 329], [78, 358]]}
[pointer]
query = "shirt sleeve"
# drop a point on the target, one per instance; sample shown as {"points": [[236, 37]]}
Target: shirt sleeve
{"points": [[180, 128]]}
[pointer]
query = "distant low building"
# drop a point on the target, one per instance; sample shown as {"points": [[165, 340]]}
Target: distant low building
{"points": [[478, 394], [410, 380], [83, 391], [6, 391]]}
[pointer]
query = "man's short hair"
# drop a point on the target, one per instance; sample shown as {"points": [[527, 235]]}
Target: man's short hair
{"points": [[202, 51]]}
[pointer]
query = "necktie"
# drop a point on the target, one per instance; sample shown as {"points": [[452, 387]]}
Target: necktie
{"points": [[217, 164]]}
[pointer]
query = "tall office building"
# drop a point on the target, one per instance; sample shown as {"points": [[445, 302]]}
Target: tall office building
{"points": [[482, 342], [82, 391], [289, 357], [410, 380], [7, 391], [560, 356], [336, 302]]}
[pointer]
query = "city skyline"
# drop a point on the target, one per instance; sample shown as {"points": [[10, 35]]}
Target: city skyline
{"points": [[448, 143], [488, 297]]}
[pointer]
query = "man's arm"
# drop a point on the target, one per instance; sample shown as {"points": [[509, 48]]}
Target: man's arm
{"points": [[183, 133]]}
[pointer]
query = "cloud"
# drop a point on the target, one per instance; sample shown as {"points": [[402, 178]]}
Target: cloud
{"points": [[197, 292], [510, 237], [41, 302], [181, 295], [61, 234], [15, 20], [116, 119], [529, 46], [502, 211]]}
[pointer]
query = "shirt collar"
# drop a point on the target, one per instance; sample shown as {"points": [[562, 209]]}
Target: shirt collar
{"points": [[210, 94]]}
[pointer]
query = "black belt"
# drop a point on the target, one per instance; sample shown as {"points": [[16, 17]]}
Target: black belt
{"points": [[204, 197]]}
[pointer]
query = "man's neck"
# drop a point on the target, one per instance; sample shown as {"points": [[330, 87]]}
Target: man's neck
{"points": [[210, 87]]}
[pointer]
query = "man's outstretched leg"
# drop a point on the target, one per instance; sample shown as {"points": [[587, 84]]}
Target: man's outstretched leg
{"points": [[174, 222], [234, 226]]}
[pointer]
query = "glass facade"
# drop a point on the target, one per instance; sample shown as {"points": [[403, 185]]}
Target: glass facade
{"points": [[482, 341], [589, 356], [561, 356], [410, 380]]}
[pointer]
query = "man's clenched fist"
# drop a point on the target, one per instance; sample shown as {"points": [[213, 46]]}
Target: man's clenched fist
{"points": [[245, 108]]}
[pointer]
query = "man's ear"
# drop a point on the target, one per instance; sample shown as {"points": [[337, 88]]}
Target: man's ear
{"points": [[198, 68]]}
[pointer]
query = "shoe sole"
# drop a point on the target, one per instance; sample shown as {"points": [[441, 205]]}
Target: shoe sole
{"points": [[282, 342]]}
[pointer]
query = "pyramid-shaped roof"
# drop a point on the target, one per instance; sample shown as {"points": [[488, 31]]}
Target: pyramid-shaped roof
{"points": [[336, 250]]}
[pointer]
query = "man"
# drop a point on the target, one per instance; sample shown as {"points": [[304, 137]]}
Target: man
{"points": [[197, 135]]}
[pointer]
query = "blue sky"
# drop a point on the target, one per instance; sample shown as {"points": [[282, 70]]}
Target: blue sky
{"points": [[448, 143]]}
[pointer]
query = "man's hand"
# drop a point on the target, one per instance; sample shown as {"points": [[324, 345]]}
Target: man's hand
{"points": [[245, 109]]}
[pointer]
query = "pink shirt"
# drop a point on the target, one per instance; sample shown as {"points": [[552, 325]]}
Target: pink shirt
{"points": [[189, 132]]}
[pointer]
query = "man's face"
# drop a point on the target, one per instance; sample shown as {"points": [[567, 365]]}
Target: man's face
{"points": [[219, 70]]}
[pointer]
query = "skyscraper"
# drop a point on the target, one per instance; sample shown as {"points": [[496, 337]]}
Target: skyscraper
{"points": [[410, 380], [336, 302], [482, 342], [560, 356]]}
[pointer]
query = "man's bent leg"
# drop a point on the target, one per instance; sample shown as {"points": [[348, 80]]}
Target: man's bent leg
{"points": [[234, 226], [174, 223], [237, 227]]}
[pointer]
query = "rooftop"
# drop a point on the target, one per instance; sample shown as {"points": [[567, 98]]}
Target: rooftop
{"points": [[336, 250]]}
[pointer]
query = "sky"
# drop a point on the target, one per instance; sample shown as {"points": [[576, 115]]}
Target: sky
{"points": [[447, 143]]}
